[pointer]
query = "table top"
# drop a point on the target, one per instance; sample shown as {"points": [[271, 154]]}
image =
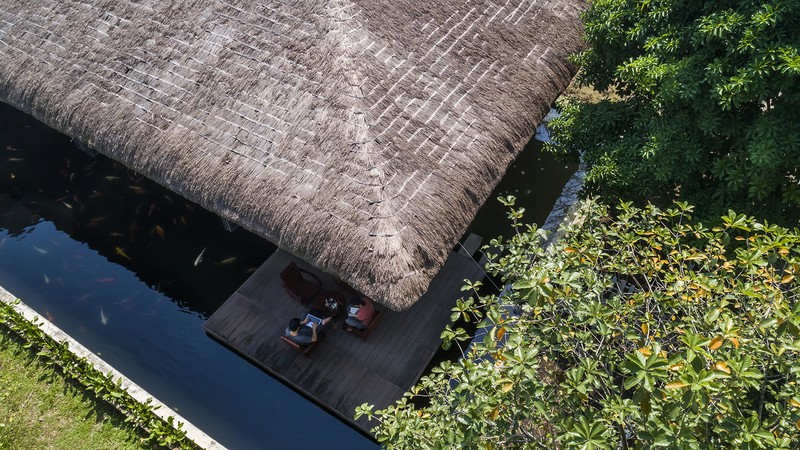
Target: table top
{"points": [[325, 301]]}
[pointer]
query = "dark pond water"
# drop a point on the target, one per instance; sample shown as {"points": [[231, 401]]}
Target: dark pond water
{"points": [[132, 271], [536, 180]]}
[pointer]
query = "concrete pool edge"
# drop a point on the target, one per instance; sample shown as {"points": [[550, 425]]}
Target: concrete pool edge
{"points": [[192, 432]]}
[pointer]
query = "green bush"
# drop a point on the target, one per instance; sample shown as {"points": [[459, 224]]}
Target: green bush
{"points": [[639, 329], [707, 104]]}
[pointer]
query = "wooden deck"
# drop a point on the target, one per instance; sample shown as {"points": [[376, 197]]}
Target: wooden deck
{"points": [[342, 371]]}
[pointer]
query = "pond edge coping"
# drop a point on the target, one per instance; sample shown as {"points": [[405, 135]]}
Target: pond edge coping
{"points": [[192, 432]]}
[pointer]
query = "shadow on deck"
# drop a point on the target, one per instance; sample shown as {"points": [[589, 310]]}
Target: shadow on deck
{"points": [[342, 371]]}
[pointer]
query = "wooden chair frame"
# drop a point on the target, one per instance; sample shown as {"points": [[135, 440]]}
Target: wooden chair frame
{"points": [[296, 280], [304, 349], [364, 334]]}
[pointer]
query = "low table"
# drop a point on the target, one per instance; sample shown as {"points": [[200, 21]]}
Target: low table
{"points": [[319, 302]]}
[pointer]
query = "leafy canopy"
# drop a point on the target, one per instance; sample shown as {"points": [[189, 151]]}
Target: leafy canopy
{"points": [[708, 105], [642, 328]]}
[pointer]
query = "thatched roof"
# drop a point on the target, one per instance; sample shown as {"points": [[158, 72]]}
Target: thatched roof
{"points": [[360, 135]]}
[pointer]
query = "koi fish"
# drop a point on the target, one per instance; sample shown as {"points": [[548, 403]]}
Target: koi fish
{"points": [[91, 165], [46, 279], [14, 159], [94, 221], [227, 261], [40, 250], [162, 284], [159, 231], [121, 252], [105, 280], [49, 316], [67, 205], [85, 296], [103, 317], [199, 258]]}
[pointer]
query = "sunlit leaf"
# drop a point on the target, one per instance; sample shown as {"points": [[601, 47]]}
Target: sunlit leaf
{"points": [[722, 366], [676, 384], [716, 343]]}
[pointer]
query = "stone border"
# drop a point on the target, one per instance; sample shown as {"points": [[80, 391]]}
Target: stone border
{"points": [[565, 210], [192, 432]]}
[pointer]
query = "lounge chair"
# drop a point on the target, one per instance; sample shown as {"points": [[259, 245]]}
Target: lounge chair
{"points": [[364, 334], [300, 284], [304, 349]]}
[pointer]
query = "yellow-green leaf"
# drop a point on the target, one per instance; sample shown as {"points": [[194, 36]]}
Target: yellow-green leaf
{"points": [[722, 366], [676, 385]]}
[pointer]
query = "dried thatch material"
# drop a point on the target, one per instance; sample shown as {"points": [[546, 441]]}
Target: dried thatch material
{"points": [[360, 135]]}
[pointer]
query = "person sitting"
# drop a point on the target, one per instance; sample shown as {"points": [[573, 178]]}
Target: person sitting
{"points": [[303, 333], [360, 313]]}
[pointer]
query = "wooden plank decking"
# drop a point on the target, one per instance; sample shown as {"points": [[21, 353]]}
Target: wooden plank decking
{"points": [[342, 371]]}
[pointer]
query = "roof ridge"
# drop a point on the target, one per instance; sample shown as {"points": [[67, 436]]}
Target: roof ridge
{"points": [[351, 35]]}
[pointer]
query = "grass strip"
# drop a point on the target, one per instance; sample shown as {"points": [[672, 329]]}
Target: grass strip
{"points": [[58, 357], [41, 409]]}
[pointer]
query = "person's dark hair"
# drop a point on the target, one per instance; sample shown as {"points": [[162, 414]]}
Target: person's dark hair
{"points": [[356, 300], [294, 324]]}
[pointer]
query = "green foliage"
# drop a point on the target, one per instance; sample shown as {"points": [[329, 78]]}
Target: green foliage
{"points": [[708, 107], [164, 433], [639, 329]]}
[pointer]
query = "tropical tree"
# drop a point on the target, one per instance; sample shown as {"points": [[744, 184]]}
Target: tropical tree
{"points": [[707, 104], [639, 328]]}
